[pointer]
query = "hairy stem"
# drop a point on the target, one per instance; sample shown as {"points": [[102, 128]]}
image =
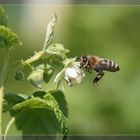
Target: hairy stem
{"points": [[35, 57], [8, 127], [2, 85]]}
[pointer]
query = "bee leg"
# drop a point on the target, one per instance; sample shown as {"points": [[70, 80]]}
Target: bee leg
{"points": [[98, 77], [89, 69]]}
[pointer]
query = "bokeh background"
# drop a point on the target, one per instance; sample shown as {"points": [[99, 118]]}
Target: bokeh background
{"points": [[112, 32]]}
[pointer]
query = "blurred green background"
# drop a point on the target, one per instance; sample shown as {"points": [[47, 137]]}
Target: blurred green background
{"points": [[111, 32]]}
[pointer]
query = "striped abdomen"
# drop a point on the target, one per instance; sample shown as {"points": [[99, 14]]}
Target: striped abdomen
{"points": [[109, 65]]}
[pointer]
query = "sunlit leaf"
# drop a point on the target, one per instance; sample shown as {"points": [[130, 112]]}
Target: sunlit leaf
{"points": [[50, 32], [59, 96], [57, 50], [59, 113], [10, 99], [44, 110], [34, 102], [37, 121], [8, 38]]}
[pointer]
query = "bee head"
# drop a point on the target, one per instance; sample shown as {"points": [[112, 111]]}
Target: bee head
{"points": [[83, 61]]}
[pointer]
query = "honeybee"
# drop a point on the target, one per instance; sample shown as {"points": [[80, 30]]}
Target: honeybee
{"points": [[99, 65]]}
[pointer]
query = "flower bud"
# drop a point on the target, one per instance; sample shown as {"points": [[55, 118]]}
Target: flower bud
{"points": [[19, 75], [36, 78]]}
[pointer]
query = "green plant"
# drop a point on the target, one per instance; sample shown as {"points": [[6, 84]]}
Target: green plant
{"points": [[44, 111]]}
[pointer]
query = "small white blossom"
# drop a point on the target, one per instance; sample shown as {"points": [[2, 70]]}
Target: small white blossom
{"points": [[71, 73]]}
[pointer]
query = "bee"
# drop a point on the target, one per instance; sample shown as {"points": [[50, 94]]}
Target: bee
{"points": [[99, 65]]}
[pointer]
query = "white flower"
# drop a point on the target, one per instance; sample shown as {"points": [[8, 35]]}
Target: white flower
{"points": [[71, 73]]}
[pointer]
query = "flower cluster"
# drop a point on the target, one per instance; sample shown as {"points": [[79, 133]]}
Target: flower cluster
{"points": [[51, 52]]}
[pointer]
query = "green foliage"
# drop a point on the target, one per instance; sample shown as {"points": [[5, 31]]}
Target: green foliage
{"points": [[59, 96], [14, 97], [29, 104], [56, 105], [53, 53], [8, 38], [48, 73], [3, 17], [45, 109], [38, 94], [50, 32], [37, 121], [57, 50], [10, 99], [107, 31], [42, 112]]}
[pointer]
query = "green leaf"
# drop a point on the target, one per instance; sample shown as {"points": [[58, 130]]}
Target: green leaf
{"points": [[8, 38], [50, 32], [37, 121], [14, 98], [34, 102], [3, 17], [57, 50], [38, 94], [60, 98], [59, 113], [10, 99], [43, 110]]}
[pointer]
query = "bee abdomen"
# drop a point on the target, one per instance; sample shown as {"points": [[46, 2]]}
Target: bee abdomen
{"points": [[110, 65]]}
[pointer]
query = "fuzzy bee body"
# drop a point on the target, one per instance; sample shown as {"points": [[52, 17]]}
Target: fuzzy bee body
{"points": [[99, 65], [107, 65]]}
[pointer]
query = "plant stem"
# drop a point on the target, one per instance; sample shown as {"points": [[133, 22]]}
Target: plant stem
{"points": [[35, 57], [8, 127], [2, 85]]}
